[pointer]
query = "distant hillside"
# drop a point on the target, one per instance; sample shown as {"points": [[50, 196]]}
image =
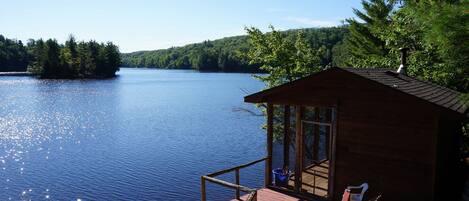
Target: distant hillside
{"points": [[226, 54]]}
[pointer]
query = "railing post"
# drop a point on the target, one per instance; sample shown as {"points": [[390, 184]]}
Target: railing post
{"points": [[237, 183], [202, 189], [314, 181], [270, 133]]}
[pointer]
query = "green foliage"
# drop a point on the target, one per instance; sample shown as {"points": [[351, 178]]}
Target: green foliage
{"points": [[363, 46], [435, 31], [228, 54], [286, 57], [13, 55], [444, 33], [73, 60], [285, 60]]}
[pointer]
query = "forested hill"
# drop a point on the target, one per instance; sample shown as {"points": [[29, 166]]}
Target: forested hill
{"points": [[228, 54]]}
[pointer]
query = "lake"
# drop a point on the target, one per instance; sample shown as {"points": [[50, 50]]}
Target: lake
{"points": [[145, 135]]}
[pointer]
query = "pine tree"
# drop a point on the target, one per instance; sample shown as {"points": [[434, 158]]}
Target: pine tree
{"points": [[362, 43], [52, 67]]}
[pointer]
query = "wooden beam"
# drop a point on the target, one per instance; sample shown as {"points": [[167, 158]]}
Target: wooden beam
{"points": [[270, 134], [332, 155], [299, 148], [286, 136]]}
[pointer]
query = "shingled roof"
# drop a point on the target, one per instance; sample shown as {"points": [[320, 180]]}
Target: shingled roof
{"points": [[427, 91]]}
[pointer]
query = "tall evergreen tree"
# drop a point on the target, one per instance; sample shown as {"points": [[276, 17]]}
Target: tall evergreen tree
{"points": [[365, 48], [52, 66], [72, 48]]}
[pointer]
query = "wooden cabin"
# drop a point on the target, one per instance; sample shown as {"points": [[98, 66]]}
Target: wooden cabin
{"points": [[342, 127]]}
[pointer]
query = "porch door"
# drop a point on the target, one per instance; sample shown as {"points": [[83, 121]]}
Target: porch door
{"points": [[316, 128]]}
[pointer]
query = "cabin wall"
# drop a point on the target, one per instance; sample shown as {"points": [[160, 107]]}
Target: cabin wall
{"points": [[390, 146], [450, 176]]}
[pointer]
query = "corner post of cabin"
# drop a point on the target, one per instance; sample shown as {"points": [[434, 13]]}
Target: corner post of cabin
{"points": [[270, 133], [286, 136], [299, 110]]}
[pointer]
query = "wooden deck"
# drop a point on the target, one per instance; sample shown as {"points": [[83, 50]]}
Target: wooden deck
{"points": [[265, 194], [315, 179]]}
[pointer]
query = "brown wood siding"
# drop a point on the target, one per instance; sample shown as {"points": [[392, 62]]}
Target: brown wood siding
{"points": [[393, 149], [385, 139], [450, 176]]}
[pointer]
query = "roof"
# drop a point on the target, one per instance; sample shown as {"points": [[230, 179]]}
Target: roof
{"points": [[427, 91]]}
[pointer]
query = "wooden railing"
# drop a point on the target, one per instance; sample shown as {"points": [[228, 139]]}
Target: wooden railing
{"points": [[252, 193]]}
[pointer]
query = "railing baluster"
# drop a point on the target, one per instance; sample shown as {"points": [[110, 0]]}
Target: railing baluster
{"points": [[314, 181], [202, 189], [237, 183]]}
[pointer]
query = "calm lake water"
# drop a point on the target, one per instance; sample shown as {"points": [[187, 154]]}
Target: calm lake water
{"points": [[145, 135]]}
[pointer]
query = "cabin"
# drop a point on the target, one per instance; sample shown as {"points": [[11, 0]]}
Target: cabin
{"points": [[342, 127]]}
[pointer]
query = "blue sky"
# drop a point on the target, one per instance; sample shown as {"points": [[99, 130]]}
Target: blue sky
{"points": [[154, 24]]}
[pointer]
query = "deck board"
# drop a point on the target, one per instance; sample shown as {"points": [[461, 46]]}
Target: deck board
{"points": [[315, 179], [265, 194]]}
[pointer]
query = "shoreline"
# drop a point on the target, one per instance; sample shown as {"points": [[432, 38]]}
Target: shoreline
{"points": [[200, 71], [16, 73]]}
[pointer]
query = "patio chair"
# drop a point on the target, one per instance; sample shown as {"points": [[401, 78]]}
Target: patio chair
{"points": [[355, 193]]}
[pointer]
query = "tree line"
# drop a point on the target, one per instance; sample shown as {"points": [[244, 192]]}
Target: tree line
{"points": [[49, 59], [229, 54]]}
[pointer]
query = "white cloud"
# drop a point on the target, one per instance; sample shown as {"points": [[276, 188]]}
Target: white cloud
{"points": [[312, 22]]}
